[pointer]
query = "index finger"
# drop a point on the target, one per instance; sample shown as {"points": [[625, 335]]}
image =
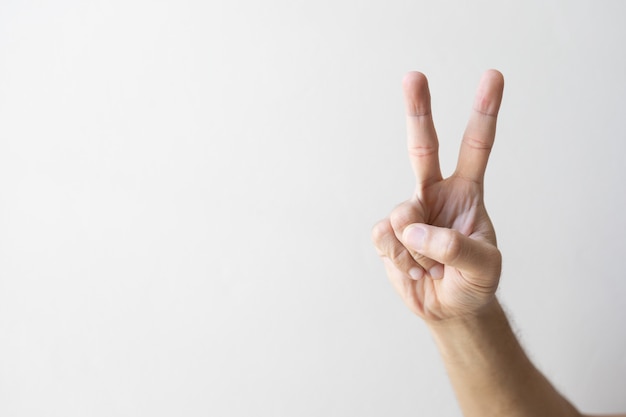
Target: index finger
{"points": [[422, 142], [481, 129]]}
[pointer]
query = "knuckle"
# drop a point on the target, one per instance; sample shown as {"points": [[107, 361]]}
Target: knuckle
{"points": [[477, 143], [422, 151], [380, 231], [401, 216]]}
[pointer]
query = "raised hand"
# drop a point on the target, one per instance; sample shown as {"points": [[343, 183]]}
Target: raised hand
{"points": [[439, 247]]}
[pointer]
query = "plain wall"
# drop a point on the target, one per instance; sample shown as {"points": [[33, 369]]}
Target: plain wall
{"points": [[187, 190]]}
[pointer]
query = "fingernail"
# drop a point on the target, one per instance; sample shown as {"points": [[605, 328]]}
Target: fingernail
{"points": [[416, 273], [436, 272], [414, 237]]}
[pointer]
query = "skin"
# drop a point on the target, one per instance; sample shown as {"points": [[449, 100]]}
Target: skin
{"points": [[452, 267], [440, 252]]}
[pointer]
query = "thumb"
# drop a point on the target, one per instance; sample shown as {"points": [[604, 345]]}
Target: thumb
{"points": [[478, 260]]}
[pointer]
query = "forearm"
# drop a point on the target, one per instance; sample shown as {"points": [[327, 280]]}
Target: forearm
{"points": [[490, 373]]}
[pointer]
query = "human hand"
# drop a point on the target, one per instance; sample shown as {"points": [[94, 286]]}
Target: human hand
{"points": [[439, 247]]}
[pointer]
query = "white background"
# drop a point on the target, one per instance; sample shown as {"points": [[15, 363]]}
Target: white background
{"points": [[187, 190]]}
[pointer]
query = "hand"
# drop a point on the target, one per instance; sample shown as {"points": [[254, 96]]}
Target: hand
{"points": [[439, 247]]}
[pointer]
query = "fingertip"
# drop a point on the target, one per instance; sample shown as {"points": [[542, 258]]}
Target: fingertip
{"points": [[489, 93], [494, 76], [436, 272], [414, 79], [416, 93], [416, 273], [379, 230]]}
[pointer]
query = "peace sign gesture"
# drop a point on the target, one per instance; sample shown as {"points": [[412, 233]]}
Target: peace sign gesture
{"points": [[439, 247]]}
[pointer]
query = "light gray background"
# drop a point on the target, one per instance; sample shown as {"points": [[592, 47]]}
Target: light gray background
{"points": [[187, 190]]}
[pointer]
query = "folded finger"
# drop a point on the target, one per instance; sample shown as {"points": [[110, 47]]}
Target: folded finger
{"points": [[389, 247], [403, 215]]}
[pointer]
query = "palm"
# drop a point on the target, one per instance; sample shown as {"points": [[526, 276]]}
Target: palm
{"points": [[455, 203]]}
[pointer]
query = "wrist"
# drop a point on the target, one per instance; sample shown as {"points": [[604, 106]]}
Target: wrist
{"points": [[467, 338], [477, 317]]}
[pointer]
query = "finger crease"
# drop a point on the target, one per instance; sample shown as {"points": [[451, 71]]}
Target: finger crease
{"points": [[419, 115], [476, 143], [422, 151], [485, 113]]}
